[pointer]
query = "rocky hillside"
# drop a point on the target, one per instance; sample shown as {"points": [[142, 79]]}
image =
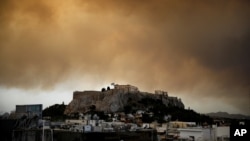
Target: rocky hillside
{"points": [[116, 100]]}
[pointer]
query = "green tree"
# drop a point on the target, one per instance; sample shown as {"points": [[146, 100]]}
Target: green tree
{"points": [[56, 112], [127, 109], [103, 89]]}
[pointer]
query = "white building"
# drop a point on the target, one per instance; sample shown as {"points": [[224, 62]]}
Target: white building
{"points": [[222, 133], [205, 134], [197, 134], [75, 122], [87, 128]]}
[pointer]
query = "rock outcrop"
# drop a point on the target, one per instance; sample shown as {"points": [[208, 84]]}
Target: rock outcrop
{"points": [[115, 100]]}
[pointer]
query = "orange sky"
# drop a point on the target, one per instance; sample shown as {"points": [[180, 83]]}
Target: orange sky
{"points": [[196, 50]]}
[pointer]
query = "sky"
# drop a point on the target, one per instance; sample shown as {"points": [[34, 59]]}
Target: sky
{"points": [[195, 50]]}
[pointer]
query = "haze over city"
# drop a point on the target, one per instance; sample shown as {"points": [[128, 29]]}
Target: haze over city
{"points": [[195, 50]]}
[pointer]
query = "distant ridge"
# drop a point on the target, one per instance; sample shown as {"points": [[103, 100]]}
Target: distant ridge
{"points": [[227, 115]]}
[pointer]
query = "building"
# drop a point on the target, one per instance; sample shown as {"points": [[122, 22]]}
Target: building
{"points": [[126, 88], [197, 134], [160, 92], [29, 110], [222, 133]]}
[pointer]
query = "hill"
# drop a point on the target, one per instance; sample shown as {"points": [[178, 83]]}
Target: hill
{"points": [[55, 112], [129, 99], [118, 100], [227, 115]]}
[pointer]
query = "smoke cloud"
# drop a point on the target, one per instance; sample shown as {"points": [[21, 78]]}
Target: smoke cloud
{"points": [[193, 48]]}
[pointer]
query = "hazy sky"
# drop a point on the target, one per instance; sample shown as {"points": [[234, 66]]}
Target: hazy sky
{"points": [[195, 50]]}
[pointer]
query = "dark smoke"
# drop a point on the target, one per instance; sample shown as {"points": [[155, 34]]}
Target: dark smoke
{"points": [[197, 48]]}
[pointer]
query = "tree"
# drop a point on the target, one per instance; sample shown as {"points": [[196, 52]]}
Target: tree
{"points": [[108, 88], [103, 89], [147, 119], [92, 108], [55, 111], [127, 109]]}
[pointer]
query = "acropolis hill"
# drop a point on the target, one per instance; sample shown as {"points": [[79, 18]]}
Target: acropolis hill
{"points": [[114, 100]]}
